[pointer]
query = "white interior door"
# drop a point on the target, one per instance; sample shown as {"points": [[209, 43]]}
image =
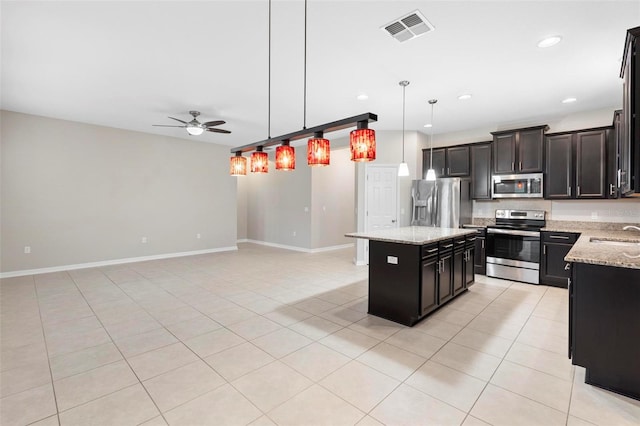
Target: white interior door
{"points": [[381, 200]]}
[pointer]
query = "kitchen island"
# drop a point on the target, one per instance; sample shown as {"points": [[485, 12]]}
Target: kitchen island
{"points": [[415, 270], [604, 309]]}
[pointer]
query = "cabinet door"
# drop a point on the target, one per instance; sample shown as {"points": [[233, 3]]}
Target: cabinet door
{"points": [[458, 272], [612, 158], [445, 283], [458, 161], [480, 258], [558, 181], [504, 153], [590, 164], [553, 269], [429, 286], [469, 267], [481, 172], [530, 151], [438, 162]]}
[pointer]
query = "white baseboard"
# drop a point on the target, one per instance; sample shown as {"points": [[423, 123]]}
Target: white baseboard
{"points": [[242, 240], [300, 249], [111, 262]]}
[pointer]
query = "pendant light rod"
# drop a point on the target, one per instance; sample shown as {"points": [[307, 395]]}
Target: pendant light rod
{"points": [[404, 84], [432, 102], [333, 126], [304, 113]]}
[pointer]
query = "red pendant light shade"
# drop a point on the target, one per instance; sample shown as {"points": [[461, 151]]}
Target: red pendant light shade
{"points": [[238, 165], [259, 161], [285, 157], [318, 150], [363, 143]]}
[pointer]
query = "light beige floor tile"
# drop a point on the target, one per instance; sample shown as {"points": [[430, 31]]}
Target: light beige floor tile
{"points": [[221, 406], [28, 406], [84, 360], [343, 315], [213, 342], [22, 378], [472, 421], [76, 341], [315, 361], [287, 315], [174, 316], [271, 385], [467, 360], [132, 327], [541, 387], [465, 305], [378, 328], [448, 385], [183, 384], [498, 407], [238, 360], [158, 361], [129, 406], [193, 327], [316, 406], [230, 316], [74, 326], [144, 342], [84, 387], [575, 421], [22, 355], [315, 327], [492, 345], [391, 360], [262, 421], [544, 325], [349, 342], [254, 327], [369, 421], [360, 385], [552, 363], [544, 340], [408, 406], [49, 421], [452, 316], [417, 342], [315, 306], [441, 329], [156, 421], [496, 327], [601, 407], [281, 342]]}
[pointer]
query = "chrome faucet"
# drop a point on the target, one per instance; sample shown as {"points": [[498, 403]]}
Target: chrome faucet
{"points": [[628, 227]]}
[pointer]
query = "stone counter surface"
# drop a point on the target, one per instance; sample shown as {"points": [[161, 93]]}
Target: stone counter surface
{"points": [[416, 235], [623, 256]]}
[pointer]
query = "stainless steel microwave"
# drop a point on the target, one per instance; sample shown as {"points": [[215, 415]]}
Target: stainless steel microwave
{"points": [[517, 186]]}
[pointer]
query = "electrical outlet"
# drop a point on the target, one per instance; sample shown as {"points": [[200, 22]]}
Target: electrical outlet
{"points": [[594, 215], [198, 236], [27, 249], [294, 233], [306, 209], [143, 240]]}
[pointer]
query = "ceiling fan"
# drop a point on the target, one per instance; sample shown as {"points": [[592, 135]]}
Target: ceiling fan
{"points": [[194, 127]]}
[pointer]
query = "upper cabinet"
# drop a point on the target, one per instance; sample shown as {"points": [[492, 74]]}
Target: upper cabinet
{"points": [[481, 171], [629, 145], [447, 162], [519, 151]]}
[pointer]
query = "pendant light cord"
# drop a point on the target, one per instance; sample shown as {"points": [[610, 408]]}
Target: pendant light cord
{"points": [[304, 113], [431, 137], [404, 87], [269, 74]]}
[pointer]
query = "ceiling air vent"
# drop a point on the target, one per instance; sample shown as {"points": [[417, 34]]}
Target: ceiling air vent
{"points": [[409, 26]]}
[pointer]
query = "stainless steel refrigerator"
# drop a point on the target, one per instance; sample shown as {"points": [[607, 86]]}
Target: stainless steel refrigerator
{"points": [[445, 202]]}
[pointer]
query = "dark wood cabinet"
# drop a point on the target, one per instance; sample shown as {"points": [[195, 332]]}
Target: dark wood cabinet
{"points": [[481, 171], [447, 162], [576, 165], [614, 139], [554, 270], [480, 256], [445, 279], [429, 284], [458, 274], [469, 258], [629, 145], [519, 151], [604, 324]]}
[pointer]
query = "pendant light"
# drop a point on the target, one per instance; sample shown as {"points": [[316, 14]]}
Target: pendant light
{"points": [[431, 174], [403, 170], [259, 161], [285, 157], [238, 165], [362, 143], [318, 150]]}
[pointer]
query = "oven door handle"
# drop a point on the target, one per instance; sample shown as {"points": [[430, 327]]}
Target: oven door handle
{"points": [[513, 232]]}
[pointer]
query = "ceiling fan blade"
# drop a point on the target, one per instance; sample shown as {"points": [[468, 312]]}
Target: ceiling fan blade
{"points": [[218, 130], [177, 119], [213, 123], [166, 125]]}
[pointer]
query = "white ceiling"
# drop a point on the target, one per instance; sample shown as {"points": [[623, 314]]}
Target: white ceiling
{"points": [[131, 64]]}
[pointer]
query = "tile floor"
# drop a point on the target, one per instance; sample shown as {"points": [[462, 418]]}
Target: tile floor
{"points": [[265, 336]]}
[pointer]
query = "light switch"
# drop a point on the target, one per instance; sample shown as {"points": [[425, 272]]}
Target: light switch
{"points": [[392, 260]]}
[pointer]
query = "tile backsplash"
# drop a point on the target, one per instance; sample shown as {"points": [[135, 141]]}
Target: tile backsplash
{"points": [[626, 210]]}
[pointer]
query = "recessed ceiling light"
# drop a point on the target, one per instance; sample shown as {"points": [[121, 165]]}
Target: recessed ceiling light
{"points": [[428, 125], [464, 97], [549, 41], [363, 97], [568, 100]]}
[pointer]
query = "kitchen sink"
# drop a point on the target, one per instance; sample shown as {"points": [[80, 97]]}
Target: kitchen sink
{"points": [[612, 242]]}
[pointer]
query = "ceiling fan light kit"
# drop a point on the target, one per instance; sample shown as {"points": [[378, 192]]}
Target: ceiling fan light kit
{"points": [[196, 128]]}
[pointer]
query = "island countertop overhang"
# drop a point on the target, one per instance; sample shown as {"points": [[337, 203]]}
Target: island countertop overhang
{"points": [[415, 235]]}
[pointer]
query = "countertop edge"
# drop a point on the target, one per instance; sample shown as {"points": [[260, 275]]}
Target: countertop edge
{"points": [[460, 232]]}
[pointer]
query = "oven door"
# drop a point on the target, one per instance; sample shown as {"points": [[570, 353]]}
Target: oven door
{"points": [[513, 247]]}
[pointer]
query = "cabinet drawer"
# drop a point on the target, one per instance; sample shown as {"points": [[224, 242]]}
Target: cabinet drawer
{"points": [[445, 246], [559, 237], [429, 250]]}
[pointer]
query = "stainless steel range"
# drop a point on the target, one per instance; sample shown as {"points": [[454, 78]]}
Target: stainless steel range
{"points": [[513, 245]]}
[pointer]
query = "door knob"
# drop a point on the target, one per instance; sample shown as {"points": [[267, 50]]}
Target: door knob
{"points": [[393, 221]]}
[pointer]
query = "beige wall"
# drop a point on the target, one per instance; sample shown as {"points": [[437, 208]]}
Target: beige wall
{"points": [[78, 193]]}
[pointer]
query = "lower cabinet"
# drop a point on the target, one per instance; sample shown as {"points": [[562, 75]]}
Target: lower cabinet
{"points": [[480, 256], [459, 256], [429, 284], [445, 280], [469, 262], [554, 270]]}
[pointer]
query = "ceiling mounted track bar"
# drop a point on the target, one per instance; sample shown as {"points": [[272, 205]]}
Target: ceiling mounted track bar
{"points": [[301, 134]]}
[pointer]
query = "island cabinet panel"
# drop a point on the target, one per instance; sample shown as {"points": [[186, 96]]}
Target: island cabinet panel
{"points": [[459, 256], [604, 326], [469, 261], [445, 284], [429, 280]]}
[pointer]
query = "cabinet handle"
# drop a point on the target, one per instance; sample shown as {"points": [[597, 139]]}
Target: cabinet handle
{"points": [[512, 168], [472, 239], [567, 266], [482, 243], [448, 245], [448, 170], [578, 191], [544, 249], [520, 166], [559, 237], [569, 191], [432, 250]]}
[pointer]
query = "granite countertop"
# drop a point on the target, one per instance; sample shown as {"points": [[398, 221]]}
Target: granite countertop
{"points": [[620, 255], [417, 235]]}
